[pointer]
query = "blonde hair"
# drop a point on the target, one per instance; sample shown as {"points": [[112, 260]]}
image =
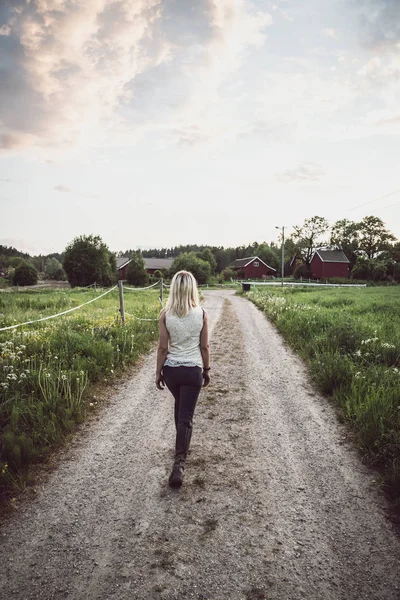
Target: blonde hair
{"points": [[183, 294]]}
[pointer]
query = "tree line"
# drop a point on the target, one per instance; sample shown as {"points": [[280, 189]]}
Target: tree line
{"points": [[373, 252]]}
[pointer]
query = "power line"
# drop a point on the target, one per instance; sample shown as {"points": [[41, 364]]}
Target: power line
{"points": [[376, 200]]}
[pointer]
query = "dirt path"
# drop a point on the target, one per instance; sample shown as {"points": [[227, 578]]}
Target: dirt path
{"points": [[274, 505]]}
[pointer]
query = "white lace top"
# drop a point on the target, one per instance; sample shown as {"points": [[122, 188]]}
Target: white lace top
{"points": [[184, 339]]}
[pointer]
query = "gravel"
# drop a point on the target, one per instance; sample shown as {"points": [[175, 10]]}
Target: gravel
{"points": [[276, 503]]}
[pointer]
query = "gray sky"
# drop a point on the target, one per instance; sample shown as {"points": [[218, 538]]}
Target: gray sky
{"points": [[164, 122]]}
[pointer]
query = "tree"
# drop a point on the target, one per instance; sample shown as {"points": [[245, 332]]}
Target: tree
{"points": [[373, 236], [136, 273], [370, 269], [88, 260], [227, 274], [53, 269], [208, 256], [309, 236], [270, 255], [189, 261], [25, 274], [345, 236]]}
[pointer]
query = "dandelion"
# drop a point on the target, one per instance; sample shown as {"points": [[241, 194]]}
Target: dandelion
{"points": [[386, 345], [4, 385], [12, 376], [4, 469]]}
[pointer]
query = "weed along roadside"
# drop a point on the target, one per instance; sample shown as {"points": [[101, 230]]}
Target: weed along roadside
{"points": [[48, 369], [350, 339]]}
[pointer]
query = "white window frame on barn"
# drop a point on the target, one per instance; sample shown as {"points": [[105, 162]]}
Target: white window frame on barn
{"points": [[256, 263]]}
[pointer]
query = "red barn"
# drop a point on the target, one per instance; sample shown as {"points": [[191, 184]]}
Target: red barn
{"points": [[157, 264], [253, 268], [122, 264], [150, 264], [326, 264]]}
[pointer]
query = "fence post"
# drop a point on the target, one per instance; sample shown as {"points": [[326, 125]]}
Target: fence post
{"points": [[161, 290], [121, 301]]}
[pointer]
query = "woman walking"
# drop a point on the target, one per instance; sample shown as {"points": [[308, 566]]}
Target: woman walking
{"points": [[183, 360]]}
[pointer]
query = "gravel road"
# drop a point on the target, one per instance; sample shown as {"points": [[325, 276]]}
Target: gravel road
{"points": [[275, 505]]}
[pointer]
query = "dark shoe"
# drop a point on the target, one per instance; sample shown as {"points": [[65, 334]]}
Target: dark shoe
{"points": [[176, 477]]}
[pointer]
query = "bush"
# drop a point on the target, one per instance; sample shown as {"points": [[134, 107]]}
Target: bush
{"points": [[190, 262], [302, 270], [228, 274], [53, 270], [88, 260], [136, 273], [25, 274]]}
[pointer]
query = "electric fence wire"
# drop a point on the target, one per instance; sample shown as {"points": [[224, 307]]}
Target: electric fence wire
{"points": [[65, 312]]}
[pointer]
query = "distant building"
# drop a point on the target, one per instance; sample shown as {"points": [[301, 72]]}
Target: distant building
{"points": [[157, 264], [122, 263], [151, 265], [326, 264], [252, 268]]}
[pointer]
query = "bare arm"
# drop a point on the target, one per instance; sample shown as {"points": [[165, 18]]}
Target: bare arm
{"points": [[205, 349], [162, 351]]}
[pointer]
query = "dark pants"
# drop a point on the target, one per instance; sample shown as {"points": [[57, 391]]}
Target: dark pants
{"points": [[184, 383]]}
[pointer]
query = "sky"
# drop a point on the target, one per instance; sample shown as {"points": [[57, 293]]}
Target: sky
{"points": [[154, 123]]}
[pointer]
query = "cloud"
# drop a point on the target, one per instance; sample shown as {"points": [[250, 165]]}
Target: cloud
{"points": [[329, 32], [5, 30], [108, 71], [67, 65], [62, 188], [380, 22], [304, 172]]}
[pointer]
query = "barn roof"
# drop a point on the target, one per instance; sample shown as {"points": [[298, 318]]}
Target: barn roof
{"points": [[122, 261], [158, 263], [334, 256], [243, 262]]}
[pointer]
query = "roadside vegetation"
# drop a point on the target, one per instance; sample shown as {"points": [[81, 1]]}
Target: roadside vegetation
{"points": [[47, 370], [350, 339]]}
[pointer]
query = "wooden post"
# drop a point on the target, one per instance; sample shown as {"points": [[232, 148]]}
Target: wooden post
{"points": [[121, 301], [161, 290]]}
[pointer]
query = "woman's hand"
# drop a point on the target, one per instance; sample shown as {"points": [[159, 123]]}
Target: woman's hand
{"points": [[206, 378], [160, 381]]}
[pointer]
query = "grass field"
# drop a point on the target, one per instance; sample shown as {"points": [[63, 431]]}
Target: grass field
{"points": [[350, 339], [47, 369]]}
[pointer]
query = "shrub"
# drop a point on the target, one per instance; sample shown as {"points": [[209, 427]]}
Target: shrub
{"points": [[190, 262], [228, 274], [88, 260], [25, 274], [136, 273], [53, 270], [302, 270]]}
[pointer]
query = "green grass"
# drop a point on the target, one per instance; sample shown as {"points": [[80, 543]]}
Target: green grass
{"points": [[350, 339], [47, 369]]}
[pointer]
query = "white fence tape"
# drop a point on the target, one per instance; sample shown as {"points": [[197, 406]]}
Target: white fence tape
{"points": [[141, 289], [58, 314]]}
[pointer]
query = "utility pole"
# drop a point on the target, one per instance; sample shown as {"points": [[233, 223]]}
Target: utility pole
{"points": [[283, 252], [161, 290]]}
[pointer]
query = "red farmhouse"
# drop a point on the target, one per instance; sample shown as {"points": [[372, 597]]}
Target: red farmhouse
{"points": [[326, 264], [252, 268], [150, 264]]}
